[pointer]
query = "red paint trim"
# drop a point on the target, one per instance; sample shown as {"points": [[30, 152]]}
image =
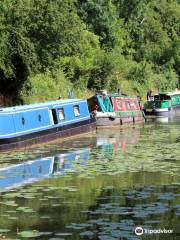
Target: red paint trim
{"points": [[125, 104]]}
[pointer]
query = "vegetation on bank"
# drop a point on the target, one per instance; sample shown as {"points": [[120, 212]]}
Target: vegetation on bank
{"points": [[51, 48]]}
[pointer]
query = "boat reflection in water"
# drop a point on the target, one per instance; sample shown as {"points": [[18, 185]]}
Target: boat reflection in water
{"points": [[36, 170], [106, 142], [112, 142], [165, 119]]}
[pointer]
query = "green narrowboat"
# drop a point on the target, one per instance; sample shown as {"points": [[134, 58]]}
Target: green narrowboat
{"points": [[163, 104], [115, 109]]}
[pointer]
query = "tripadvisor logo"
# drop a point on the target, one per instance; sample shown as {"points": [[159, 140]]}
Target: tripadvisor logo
{"points": [[139, 231]]}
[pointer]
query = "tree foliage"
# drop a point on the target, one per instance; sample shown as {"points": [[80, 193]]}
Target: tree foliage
{"points": [[92, 43]]}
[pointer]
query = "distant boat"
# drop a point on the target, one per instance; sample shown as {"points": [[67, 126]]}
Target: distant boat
{"points": [[163, 104], [22, 126], [115, 109]]}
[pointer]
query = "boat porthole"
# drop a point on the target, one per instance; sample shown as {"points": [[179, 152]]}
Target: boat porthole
{"points": [[23, 120], [39, 118]]}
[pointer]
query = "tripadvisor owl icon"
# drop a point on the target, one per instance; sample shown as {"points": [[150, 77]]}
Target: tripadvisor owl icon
{"points": [[139, 231]]}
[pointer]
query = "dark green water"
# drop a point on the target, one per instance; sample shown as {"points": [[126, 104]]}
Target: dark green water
{"points": [[99, 186]]}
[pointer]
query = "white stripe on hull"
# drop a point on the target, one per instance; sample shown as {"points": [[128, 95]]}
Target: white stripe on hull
{"points": [[157, 110]]}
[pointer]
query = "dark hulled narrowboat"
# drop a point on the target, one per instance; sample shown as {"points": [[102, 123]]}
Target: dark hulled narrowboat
{"points": [[115, 109], [164, 104], [40, 122]]}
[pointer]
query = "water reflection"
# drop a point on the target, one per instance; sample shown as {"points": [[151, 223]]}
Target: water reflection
{"points": [[170, 119], [28, 172], [111, 141], [32, 171], [96, 187]]}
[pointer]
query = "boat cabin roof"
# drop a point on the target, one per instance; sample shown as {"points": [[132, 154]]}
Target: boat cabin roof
{"points": [[166, 95], [116, 95], [174, 93], [49, 104], [119, 95], [170, 93]]}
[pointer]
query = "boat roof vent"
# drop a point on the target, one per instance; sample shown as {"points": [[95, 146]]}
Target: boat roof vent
{"points": [[102, 92]]}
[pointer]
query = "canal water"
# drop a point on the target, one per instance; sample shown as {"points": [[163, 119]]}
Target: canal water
{"points": [[98, 186]]}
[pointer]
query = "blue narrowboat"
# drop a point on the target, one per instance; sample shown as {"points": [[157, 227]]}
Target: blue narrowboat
{"points": [[25, 125]]}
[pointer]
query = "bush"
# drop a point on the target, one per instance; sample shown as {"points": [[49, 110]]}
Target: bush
{"points": [[46, 86]]}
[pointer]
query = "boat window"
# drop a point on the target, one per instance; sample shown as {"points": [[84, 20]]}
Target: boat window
{"points": [[156, 97], [162, 97], [55, 120], [76, 111], [39, 117], [23, 120], [61, 113], [165, 97]]}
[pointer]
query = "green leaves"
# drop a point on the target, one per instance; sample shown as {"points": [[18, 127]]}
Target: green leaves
{"points": [[101, 18], [92, 43]]}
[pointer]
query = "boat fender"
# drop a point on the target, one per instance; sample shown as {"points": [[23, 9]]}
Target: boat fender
{"points": [[121, 122], [112, 118], [93, 114]]}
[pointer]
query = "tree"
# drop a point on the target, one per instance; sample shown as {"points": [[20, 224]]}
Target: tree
{"points": [[34, 34], [18, 55], [154, 32], [102, 19]]}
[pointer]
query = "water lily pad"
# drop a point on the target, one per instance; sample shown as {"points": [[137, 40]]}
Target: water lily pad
{"points": [[25, 209], [12, 218], [87, 234], [56, 238], [44, 217], [106, 237], [45, 233], [29, 234], [11, 211], [56, 205], [63, 234], [10, 203], [11, 195], [4, 230]]}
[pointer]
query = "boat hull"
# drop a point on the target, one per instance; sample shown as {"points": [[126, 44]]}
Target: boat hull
{"points": [[118, 121], [60, 132], [163, 112]]}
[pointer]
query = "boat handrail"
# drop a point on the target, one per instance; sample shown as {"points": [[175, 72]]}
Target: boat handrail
{"points": [[158, 100]]}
